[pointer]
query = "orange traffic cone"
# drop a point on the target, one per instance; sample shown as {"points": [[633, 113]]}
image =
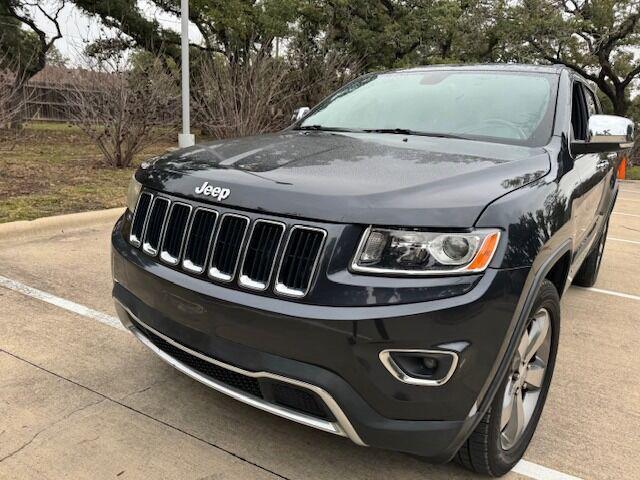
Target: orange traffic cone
{"points": [[622, 169]]}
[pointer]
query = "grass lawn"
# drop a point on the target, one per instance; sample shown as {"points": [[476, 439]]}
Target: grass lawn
{"points": [[633, 172], [54, 169]]}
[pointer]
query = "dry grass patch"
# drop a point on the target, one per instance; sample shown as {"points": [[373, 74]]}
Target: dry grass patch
{"points": [[53, 169]]}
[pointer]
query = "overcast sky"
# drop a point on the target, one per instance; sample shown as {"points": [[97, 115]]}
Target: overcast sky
{"points": [[78, 29]]}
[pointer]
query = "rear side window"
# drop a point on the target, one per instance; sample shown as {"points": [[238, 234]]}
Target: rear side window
{"points": [[579, 113], [592, 107]]}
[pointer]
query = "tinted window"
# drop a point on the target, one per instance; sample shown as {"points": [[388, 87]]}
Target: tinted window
{"points": [[498, 106], [579, 113], [592, 109]]}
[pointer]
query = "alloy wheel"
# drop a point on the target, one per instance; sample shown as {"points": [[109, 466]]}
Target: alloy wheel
{"points": [[526, 378]]}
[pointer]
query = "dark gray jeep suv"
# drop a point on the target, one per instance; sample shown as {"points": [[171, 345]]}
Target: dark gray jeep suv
{"points": [[390, 267]]}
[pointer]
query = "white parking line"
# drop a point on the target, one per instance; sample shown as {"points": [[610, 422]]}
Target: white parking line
{"points": [[60, 302], [629, 191], [533, 470], [610, 292], [626, 214], [615, 239], [523, 467]]}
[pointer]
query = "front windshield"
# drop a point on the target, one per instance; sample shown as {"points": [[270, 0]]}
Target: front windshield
{"points": [[496, 106]]}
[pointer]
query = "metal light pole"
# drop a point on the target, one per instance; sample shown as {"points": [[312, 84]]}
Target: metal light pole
{"points": [[185, 139]]}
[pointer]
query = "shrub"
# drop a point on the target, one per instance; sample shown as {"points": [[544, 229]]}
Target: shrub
{"points": [[258, 96], [124, 109]]}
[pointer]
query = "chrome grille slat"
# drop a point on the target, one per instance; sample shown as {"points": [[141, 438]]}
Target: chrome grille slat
{"points": [[140, 219], [175, 233], [299, 260], [260, 254], [199, 239], [227, 246], [155, 226]]}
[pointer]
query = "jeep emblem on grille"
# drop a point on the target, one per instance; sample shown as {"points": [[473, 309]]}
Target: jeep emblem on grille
{"points": [[218, 193]]}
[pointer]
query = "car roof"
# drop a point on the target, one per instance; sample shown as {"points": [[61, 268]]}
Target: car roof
{"points": [[507, 67]]}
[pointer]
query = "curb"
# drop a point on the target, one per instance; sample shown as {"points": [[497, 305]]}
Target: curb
{"points": [[28, 229]]}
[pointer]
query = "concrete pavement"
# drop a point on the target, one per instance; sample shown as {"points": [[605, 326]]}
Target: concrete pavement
{"points": [[79, 399]]}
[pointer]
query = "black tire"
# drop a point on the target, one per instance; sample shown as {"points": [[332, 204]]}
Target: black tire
{"points": [[588, 273], [483, 451]]}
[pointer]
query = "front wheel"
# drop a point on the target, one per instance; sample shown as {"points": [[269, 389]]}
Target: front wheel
{"points": [[504, 433]]}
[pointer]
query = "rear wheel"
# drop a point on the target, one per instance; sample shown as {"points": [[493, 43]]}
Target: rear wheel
{"points": [[588, 273], [503, 434]]}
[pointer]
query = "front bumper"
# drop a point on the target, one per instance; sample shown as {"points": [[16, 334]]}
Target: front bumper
{"points": [[331, 351]]}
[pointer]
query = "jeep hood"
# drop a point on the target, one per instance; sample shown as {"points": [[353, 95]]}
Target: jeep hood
{"points": [[381, 179]]}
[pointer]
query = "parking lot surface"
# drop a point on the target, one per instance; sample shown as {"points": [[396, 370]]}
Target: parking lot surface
{"points": [[81, 399]]}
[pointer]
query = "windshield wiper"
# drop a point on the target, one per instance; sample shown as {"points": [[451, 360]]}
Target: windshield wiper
{"points": [[322, 128], [406, 131]]}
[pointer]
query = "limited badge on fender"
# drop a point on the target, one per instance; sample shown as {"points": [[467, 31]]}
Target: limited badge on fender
{"points": [[218, 193]]}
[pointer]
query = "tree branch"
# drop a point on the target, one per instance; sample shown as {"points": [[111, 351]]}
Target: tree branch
{"points": [[630, 76]]}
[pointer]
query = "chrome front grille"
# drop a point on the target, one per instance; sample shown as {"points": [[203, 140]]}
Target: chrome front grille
{"points": [[199, 239], [260, 254], [175, 233], [155, 225], [226, 248], [139, 219], [253, 252], [299, 260]]}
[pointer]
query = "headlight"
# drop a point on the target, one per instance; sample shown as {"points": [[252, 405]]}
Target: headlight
{"points": [[409, 252], [133, 193]]}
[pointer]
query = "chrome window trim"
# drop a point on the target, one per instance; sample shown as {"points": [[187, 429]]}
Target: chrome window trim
{"points": [[145, 246], [133, 240], [213, 272], [356, 268], [341, 426], [164, 256], [282, 289], [187, 264], [395, 370], [244, 280]]}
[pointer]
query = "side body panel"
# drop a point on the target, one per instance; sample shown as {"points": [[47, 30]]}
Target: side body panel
{"points": [[543, 222]]}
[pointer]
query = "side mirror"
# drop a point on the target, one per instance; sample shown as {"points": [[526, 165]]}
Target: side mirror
{"points": [[605, 133], [299, 113]]}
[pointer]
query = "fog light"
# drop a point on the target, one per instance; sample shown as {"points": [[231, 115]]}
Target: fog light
{"points": [[430, 363], [420, 367]]}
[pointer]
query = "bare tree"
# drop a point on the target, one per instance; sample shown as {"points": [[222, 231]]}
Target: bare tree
{"points": [[232, 100], [124, 109], [23, 11], [258, 96], [12, 100]]}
